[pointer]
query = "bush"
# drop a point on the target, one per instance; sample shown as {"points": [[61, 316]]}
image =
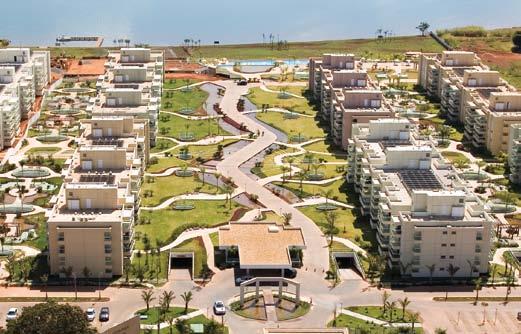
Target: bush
{"points": [[516, 39], [153, 160]]}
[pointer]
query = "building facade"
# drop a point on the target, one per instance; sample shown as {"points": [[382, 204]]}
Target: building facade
{"points": [[472, 95], [23, 76], [423, 213]]}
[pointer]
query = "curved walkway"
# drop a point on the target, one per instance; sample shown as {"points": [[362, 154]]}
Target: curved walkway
{"points": [[316, 254]]}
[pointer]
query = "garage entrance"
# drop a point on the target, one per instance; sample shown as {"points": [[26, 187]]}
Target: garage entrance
{"points": [[181, 266], [348, 264]]}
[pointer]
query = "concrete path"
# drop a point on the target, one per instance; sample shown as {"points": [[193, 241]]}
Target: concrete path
{"points": [[316, 254], [210, 254], [269, 305], [321, 200]]}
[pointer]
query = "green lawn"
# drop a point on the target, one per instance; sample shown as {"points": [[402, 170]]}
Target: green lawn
{"points": [[198, 152], [194, 98], [341, 190], [165, 222], [50, 150], [40, 227], [162, 144], [305, 126], [322, 157], [175, 126], [347, 224], [325, 147], [153, 313], [297, 90], [164, 187], [356, 325], [177, 83], [200, 319], [377, 312], [215, 238], [453, 156], [155, 267], [269, 168], [195, 245], [259, 97], [361, 47]]}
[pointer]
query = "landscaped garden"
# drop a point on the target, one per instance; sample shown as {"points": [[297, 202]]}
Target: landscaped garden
{"points": [[188, 130], [178, 83], [305, 127], [299, 105], [338, 190], [195, 246], [177, 100]]}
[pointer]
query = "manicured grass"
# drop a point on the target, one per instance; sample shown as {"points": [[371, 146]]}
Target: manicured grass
{"points": [[305, 126], [361, 47], [259, 97], [326, 147], [200, 319], [198, 152], [153, 314], [320, 157], [155, 267], [164, 222], [177, 83], [252, 309], [164, 187], [355, 325], [341, 190], [43, 150], [195, 245], [453, 156], [377, 313], [271, 216], [193, 98], [269, 168], [215, 238], [40, 225], [347, 224], [297, 90], [162, 144], [175, 126]]}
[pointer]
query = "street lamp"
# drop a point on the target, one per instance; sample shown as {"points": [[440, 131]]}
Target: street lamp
{"points": [[75, 286]]}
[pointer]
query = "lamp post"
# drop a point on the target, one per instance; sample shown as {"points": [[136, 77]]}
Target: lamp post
{"points": [[75, 286]]}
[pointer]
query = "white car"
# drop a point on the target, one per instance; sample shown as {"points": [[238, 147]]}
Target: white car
{"points": [[12, 313], [91, 314], [219, 308]]}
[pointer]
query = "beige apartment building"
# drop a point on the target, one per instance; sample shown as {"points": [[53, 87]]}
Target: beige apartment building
{"points": [[347, 95], [514, 153], [92, 222], [23, 77], [472, 95], [131, 86], [423, 213]]}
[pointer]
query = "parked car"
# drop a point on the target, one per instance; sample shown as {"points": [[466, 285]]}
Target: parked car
{"points": [[241, 279], [290, 273], [91, 314], [242, 83], [104, 314], [12, 313], [219, 308]]}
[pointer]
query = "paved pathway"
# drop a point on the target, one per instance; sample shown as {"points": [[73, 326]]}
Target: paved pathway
{"points": [[269, 305], [316, 253]]}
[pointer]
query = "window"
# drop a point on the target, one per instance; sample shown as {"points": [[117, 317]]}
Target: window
{"points": [[108, 261], [442, 257], [453, 232], [479, 236], [478, 249], [444, 232], [61, 236], [442, 269], [443, 245], [451, 257], [452, 245], [461, 200], [108, 271], [107, 236], [61, 261], [417, 235], [61, 249], [108, 249]]}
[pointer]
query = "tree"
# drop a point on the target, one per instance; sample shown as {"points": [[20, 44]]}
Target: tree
{"points": [[452, 269], [477, 286], [422, 27], [444, 132], [86, 272], [403, 304], [170, 318], [385, 299], [127, 269], [187, 297], [202, 170], [213, 327], [390, 307], [291, 160], [509, 282], [414, 319], [327, 194], [217, 177], [431, 269], [480, 164], [286, 216], [494, 271], [167, 298], [182, 326], [284, 169], [302, 175], [148, 297], [228, 191], [4, 229], [440, 331], [50, 318], [331, 229], [44, 279], [516, 39]]}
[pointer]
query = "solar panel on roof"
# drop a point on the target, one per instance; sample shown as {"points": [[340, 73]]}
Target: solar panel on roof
{"points": [[419, 179], [98, 178], [108, 141]]}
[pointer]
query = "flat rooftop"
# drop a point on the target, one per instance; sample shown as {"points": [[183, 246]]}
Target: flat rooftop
{"points": [[261, 245]]}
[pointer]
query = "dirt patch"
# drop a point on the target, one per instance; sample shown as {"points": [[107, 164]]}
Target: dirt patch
{"points": [[195, 76], [85, 67], [181, 66]]}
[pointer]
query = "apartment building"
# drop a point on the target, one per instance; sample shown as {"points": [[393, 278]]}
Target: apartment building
{"points": [[347, 95], [91, 224], [23, 77], [514, 153], [472, 95], [422, 212], [131, 86]]}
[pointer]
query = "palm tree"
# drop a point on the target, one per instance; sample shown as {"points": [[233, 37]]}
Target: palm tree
{"points": [[2, 196], [86, 272], [509, 282], [444, 131], [390, 306], [286, 216], [217, 177], [45, 278], [302, 175], [385, 298], [423, 27], [167, 298], [228, 191], [327, 194], [331, 229], [431, 269], [138, 256], [403, 304], [291, 160], [471, 268], [202, 170], [187, 297], [182, 326], [414, 319], [284, 169], [148, 297], [480, 164], [452, 269], [170, 318], [477, 286], [494, 270], [4, 229]]}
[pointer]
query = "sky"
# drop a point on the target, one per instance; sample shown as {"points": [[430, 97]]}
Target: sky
{"points": [[242, 21]]}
